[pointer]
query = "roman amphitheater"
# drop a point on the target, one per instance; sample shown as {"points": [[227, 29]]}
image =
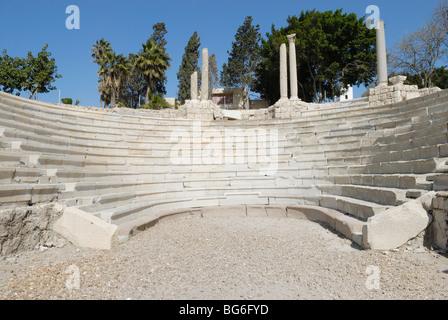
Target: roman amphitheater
{"points": [[371, 170]]}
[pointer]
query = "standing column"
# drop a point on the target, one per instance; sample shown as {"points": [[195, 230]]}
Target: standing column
{"points": [[283, 73], [194, 86], [293, 66], [381, 53], [204, 81]]}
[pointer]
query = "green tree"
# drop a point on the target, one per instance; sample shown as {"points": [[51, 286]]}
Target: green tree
{"points": [[188, 65], [334, 50], [213, 76], [99, 51], [134, 87], [41, 72], [12, 74], [152, 62], [439, 78], [155, 101], [114, 71], [67, 101], [158, 37], [244, 57], [105, 93], [420, 51], [36, 73]]}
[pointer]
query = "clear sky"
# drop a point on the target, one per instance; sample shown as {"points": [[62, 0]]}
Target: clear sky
{"points": [[27, 25]]}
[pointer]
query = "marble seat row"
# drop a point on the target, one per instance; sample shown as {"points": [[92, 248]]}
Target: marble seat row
{"points": [[352, 159]]}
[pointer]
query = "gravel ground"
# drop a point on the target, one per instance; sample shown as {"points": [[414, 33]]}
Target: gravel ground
{"points": [[227, 258]]}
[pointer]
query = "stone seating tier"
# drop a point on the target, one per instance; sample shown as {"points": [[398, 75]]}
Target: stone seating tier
{"points": [[352, 162]]}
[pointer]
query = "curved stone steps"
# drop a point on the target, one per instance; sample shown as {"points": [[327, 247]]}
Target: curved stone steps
{"points": [[349, 227], [398, 181], [378, 195], [354, 207]]}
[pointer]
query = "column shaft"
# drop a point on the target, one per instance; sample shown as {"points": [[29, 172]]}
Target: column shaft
{"points": [[293, 66], [194, 86], [283, 73], [204, 81], [381, 53]]}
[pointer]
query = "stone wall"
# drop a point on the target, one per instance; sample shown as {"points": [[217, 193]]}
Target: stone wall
{"points": [[295, 108], [397, 92], [204, 110], [440, 223], [257, 114], [385, 95], [258, 104], [28, 228]]}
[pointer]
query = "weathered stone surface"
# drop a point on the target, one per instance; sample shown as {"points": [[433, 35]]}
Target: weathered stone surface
{"points": [[398, 80], [283, 73], [194, 86], [85, 230], [381, 53], [392, 228], [204, 81], [224, 211], [118, 165], [293, 67], [276, 212], [25, 228], [256, 211], [440, 228]]}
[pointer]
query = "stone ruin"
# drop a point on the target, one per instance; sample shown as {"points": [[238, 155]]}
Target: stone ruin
{"points": [[373, 169]]}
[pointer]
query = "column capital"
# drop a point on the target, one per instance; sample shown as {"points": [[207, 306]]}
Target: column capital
{"points": [[291, 37]]}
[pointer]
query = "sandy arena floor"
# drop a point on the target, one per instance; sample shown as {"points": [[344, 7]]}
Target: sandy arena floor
{"points": [[227, 258]]}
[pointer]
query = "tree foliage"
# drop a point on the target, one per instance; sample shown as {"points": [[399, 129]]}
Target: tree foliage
{"points": [[152, 62], [115, 68], [158, 37], [99, 51], [213, 72], [134, 86], [188, 65], [34, 74], [67, 101], [124, 81], [12, 73], [439, 78], [419, 52], [239, 71], [333, 49]]}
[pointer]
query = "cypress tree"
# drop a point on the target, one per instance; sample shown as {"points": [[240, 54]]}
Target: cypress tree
{"points": [[188, 66]]}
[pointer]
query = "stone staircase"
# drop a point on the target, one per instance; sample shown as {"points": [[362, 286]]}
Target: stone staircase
{"points": [[341, 165]]}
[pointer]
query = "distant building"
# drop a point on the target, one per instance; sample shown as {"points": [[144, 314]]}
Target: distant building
{"points": [[348, 95], [171, 101], [231, 98], [235, 98]]}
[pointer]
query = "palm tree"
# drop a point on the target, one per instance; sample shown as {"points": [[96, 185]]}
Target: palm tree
{"points": [[152, 62], [105, 93], [99, 51], [114, 71]]}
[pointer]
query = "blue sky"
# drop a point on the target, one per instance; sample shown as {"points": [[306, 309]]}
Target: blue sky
{"points": [[29, 25]]}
